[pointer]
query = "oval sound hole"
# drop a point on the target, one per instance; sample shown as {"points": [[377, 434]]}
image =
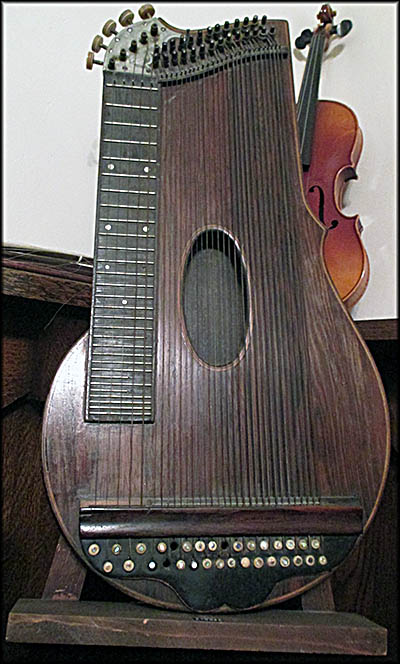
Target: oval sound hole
{"points": [[215, 298]]}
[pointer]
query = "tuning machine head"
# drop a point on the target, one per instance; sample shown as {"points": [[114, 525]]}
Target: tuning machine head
{"points": [[146, 11], [109, 28], [126, 18], [97, 43], [90, 61]]}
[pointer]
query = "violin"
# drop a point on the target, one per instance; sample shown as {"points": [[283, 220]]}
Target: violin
{"points": [[218, 441], [330, 146]]}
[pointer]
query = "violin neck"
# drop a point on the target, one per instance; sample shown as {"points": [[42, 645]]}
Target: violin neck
{"points": [[308, 97]]}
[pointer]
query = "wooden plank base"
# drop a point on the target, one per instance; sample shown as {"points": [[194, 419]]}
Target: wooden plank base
{"points": [[117, 624]]}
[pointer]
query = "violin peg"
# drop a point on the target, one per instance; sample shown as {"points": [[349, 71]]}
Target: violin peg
{"points": [[304, 39], [344, 28]]}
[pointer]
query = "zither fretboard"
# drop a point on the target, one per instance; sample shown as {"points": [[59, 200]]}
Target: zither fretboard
{"points": [[121, 350]]}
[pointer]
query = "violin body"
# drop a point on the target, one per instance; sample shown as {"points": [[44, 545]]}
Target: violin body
{"points": [[336, 148], [219, 440]]}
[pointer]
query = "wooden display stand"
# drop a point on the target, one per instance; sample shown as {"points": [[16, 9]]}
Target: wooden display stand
{"points": [[61, 618]]}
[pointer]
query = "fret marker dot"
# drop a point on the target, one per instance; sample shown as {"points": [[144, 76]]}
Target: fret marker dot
{"points": [[124, 301], [147, 169], [107, 227], [145, 229], [110, 167], [106, 267]]}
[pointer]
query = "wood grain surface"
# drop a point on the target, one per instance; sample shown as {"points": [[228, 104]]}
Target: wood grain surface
{"points": [[106, 624]]}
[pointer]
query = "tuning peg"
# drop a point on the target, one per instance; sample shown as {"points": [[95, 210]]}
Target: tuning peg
{"points": [[344, 28], [97, 43], [90, 61], [126, 18], [304, 39], [109, 28], [146, 11]]}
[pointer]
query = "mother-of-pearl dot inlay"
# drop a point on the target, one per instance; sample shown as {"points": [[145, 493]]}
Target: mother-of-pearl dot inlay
{"points": [[145, 229], [124, 301], [107, 227], [147, 169], [110, 167], [106, 267]]}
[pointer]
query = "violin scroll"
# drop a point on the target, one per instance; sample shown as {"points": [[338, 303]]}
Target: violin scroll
{"points": [[325, 16]]}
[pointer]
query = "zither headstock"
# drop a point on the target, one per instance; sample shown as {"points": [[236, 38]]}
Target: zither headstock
{"points": [[151, 46]]}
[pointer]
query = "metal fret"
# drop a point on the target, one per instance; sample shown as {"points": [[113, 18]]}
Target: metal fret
{"points": [[123, 354], [128, 221], [124, 285], [146, 318], [140, 108], [131, 87], [115, 376], [128, 175], [130, 207], [139, 297], [120, 327], [126, 235], [121, 260], [116, 140], [131, 124], [130, 248], [124, 391], [129, 191], [151, 161]]}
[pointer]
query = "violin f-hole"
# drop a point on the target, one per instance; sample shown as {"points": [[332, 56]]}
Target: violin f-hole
{"points": [[321, 201]]}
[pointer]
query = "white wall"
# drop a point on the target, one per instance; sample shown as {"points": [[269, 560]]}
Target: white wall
{"points": [[52, 119]]}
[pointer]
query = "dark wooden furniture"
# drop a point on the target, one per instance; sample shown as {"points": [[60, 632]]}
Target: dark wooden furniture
{"points": [[45, 309]]}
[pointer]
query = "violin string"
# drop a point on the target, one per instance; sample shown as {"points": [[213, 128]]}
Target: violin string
{"points": [[312, 76], [308, 74]]}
